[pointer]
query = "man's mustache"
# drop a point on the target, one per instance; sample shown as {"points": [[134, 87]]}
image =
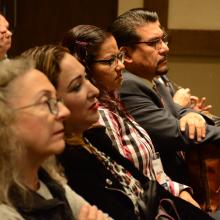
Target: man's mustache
{"points": [[163, 59]]}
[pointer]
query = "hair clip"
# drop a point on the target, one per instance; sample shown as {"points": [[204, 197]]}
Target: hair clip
{"points": [[81, 43]]}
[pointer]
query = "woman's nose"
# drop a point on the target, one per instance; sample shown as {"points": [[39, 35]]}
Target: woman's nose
{"points": [[93, 91], [64, 112]]}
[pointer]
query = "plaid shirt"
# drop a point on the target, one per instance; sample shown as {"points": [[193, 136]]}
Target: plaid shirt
{"points": [[133, 142]]}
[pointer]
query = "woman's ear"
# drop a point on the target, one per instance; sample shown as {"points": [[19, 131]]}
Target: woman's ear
{"points": [[126, 50]]}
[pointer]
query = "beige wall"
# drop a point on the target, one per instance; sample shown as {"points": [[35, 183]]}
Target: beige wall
{"points": [[200, 74], [124, 5], [199, 16]]}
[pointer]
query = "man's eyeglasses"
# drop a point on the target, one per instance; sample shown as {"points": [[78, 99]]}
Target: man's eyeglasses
{"points": [[113, 61], [52, 104], [155, 43]]}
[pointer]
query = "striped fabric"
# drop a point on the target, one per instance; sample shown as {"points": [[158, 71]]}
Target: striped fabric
{"points": [[133, 142]]}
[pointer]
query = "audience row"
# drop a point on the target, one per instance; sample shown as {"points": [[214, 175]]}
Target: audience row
{"points": [[81, 112]]}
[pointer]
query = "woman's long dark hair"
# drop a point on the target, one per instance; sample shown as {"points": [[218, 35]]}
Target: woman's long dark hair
{"points": [[84, 42]]}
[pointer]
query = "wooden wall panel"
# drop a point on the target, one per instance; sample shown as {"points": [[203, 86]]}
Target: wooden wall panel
{"points": [[44, 21]]}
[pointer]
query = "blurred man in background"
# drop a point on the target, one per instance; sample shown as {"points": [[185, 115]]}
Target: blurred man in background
{"points": [[5, 37]]}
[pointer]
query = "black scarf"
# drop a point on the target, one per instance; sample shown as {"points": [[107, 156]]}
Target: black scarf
{"points": [[34, 206]]}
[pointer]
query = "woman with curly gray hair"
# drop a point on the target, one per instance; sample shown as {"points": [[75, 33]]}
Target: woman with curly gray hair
{"points": [[31, 133]]}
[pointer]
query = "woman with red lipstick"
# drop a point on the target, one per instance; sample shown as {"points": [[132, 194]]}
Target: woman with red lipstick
{"points": [[31, 133]]}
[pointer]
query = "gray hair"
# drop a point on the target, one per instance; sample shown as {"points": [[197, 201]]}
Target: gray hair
{"points": [[12, 147], [9, 146]]}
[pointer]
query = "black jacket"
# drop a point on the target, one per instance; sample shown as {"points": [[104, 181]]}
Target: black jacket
{"points": [[89, 178]]}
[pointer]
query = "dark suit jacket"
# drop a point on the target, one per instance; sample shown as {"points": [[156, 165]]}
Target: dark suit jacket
{"points": [[161, 120]]}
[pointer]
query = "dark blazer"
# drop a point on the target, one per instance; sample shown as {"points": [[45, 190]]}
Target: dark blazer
{"points": [[160, 118]]}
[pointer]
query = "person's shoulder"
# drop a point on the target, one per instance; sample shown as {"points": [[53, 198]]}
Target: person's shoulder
{"points": [[72, 195], [133, 84], [72, 154], [130, 76], [9, 213], [106, 113], [134, 79], [75, 201]]}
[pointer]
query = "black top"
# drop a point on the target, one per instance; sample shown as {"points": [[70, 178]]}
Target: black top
{"points": [[89, 178]]}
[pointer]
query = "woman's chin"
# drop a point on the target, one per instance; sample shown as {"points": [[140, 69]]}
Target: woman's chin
{"points": [[93, 122], [59, 148]]}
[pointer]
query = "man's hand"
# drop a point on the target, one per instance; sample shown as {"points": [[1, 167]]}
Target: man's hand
{"points": [[196, 124], [199, 104], [187, 197], [88, 212], [182, 97]]}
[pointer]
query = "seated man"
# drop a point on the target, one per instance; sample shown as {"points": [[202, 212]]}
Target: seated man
{"points": [[139, 34]]}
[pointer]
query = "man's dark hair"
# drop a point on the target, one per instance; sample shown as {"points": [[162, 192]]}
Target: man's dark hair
{"points": [[124, 27]]}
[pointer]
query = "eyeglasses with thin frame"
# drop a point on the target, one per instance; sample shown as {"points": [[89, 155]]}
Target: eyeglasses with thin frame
{"points": [[113, 61], [52, 104], [155, 43]]}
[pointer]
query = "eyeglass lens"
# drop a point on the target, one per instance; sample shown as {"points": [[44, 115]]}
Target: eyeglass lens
{"points": [[120, 57], [53, 105]]}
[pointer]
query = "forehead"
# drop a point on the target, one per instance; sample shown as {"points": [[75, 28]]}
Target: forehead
{"points": [[109, 46], [150, 30], [70, 67], [31, 84]]}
